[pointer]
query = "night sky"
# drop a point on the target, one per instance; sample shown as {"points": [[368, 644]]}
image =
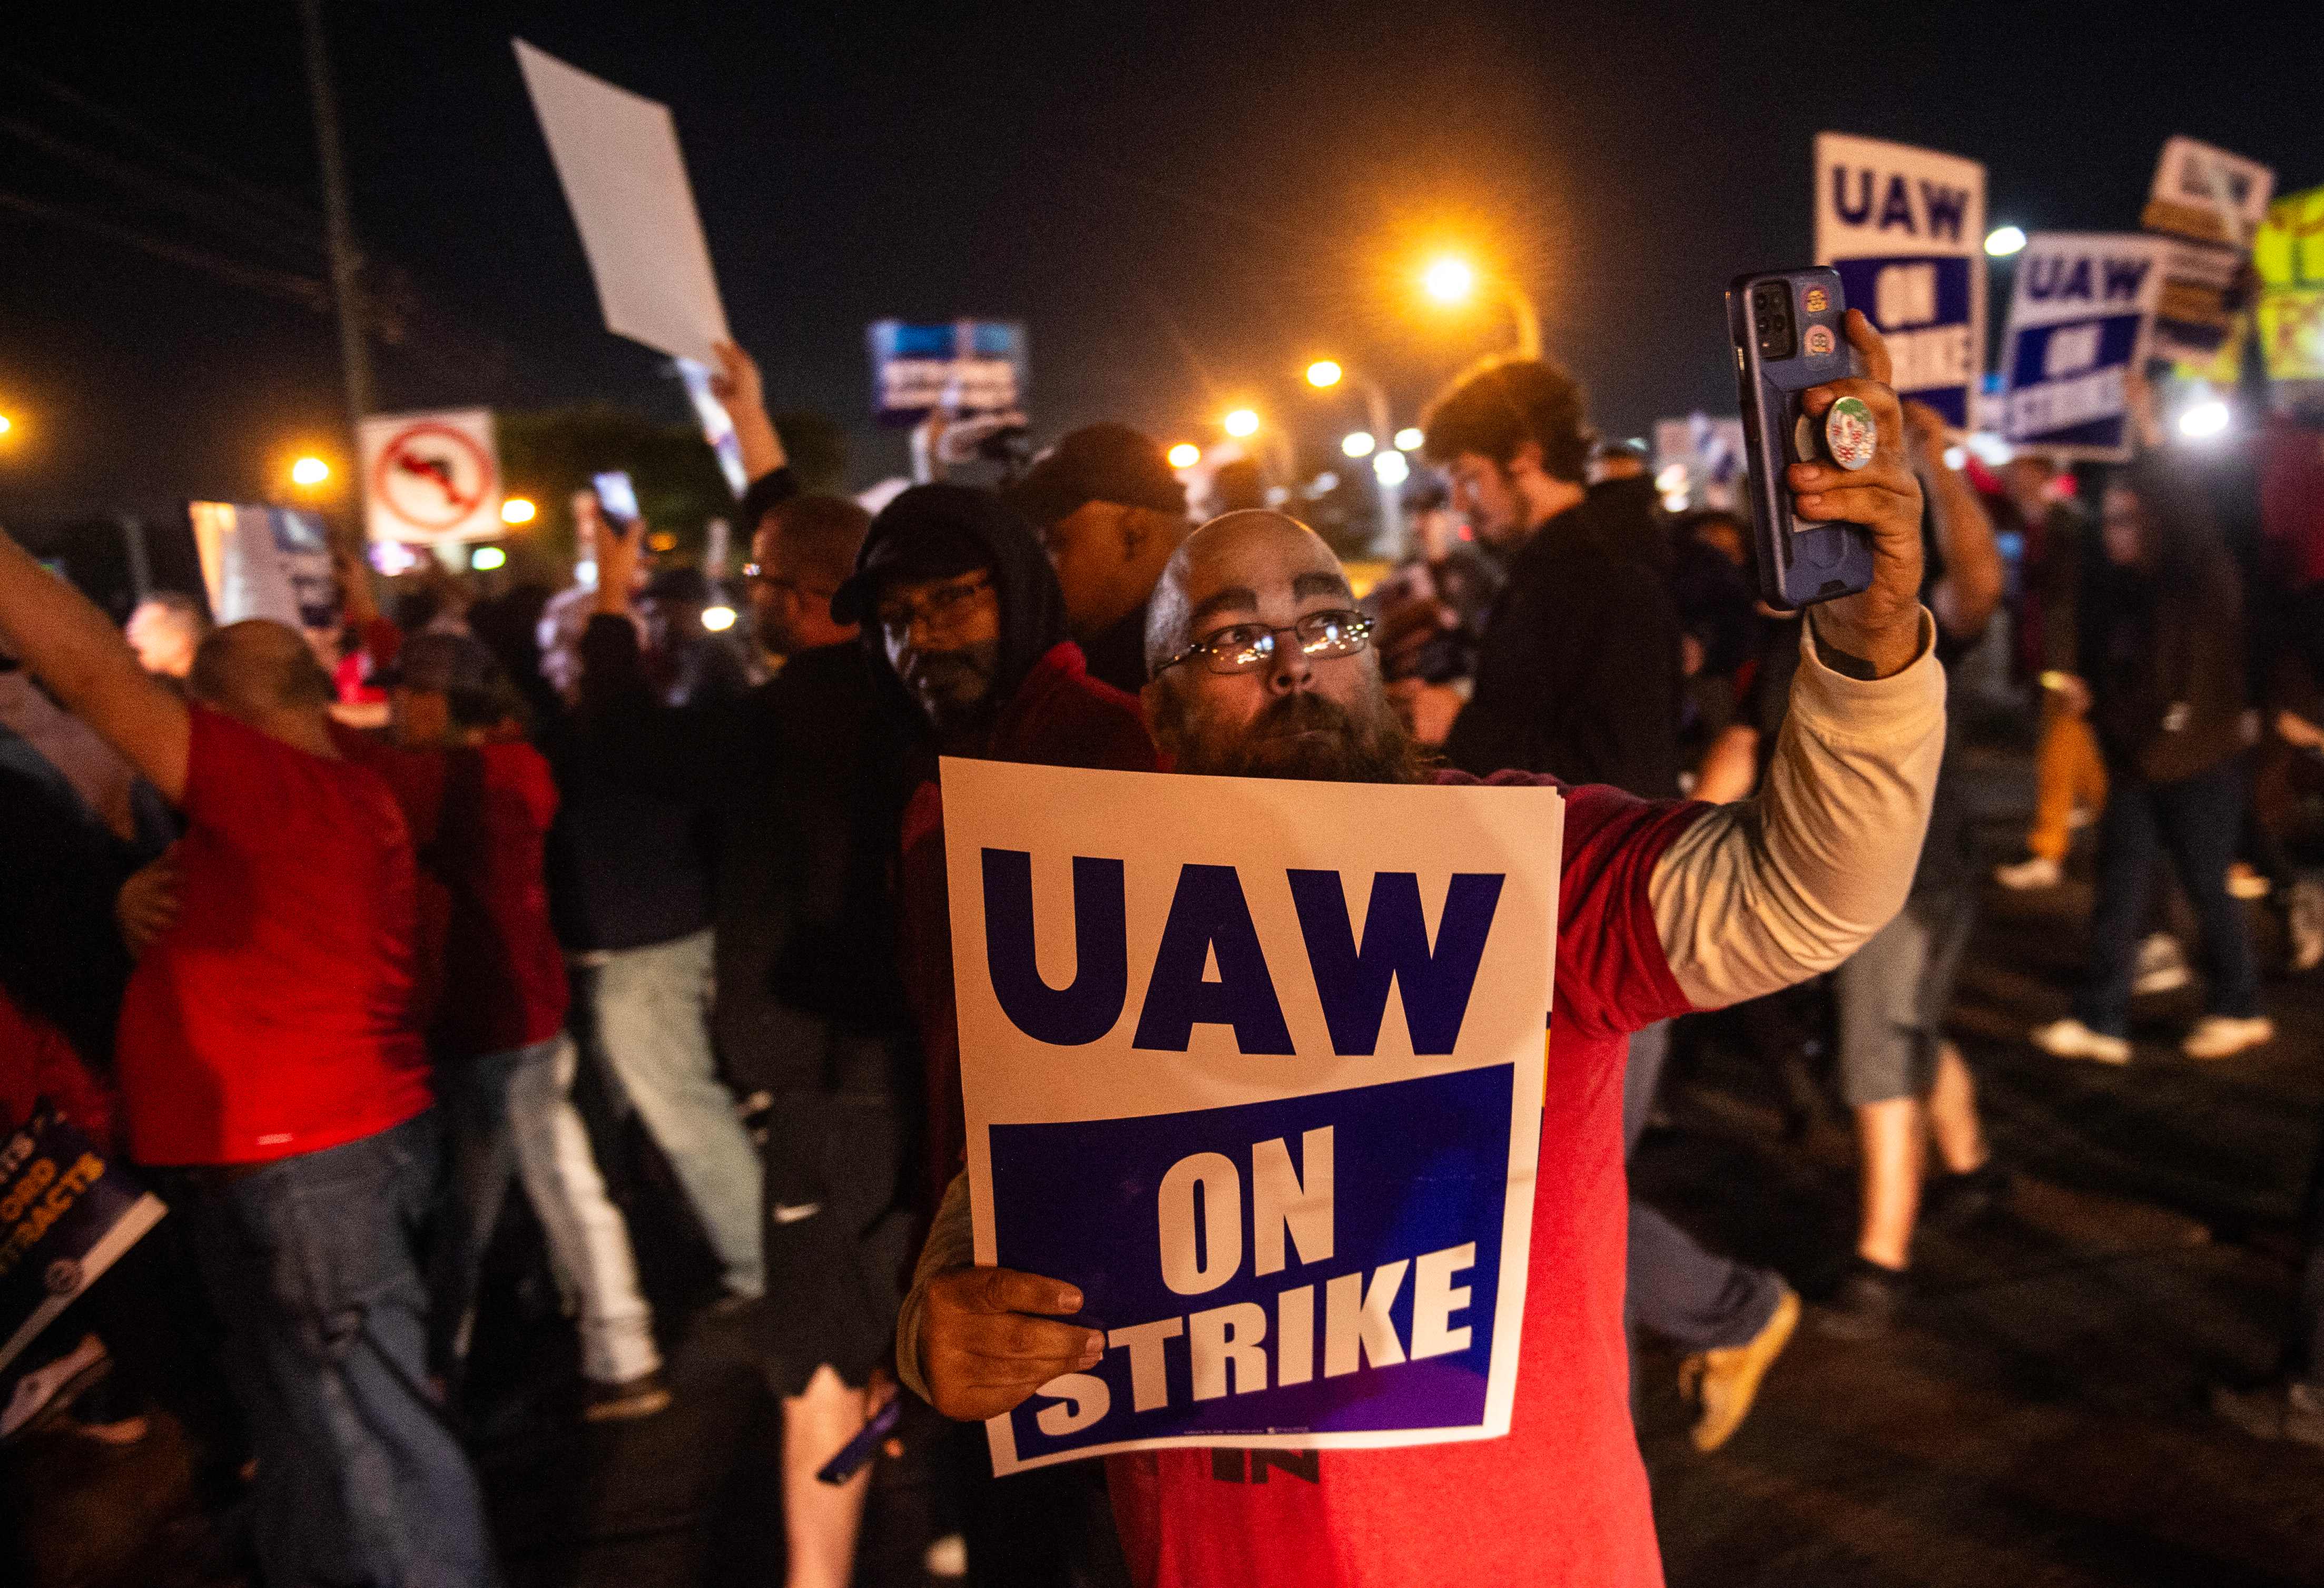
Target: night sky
{"points": [[1184, 204]]}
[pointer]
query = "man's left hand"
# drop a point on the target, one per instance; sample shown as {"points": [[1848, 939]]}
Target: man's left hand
{"points": [[1880, 627]]}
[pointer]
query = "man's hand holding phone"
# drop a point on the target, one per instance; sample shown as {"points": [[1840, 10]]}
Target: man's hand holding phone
{"points": [[1881, 626]]}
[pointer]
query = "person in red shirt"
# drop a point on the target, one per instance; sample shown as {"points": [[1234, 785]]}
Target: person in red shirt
{"points": [[1260, 669], [272, 1065], [480, 800]]}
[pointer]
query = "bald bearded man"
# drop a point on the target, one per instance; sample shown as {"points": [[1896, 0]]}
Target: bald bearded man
{"points": [[273, 1072], [1260, 668]]}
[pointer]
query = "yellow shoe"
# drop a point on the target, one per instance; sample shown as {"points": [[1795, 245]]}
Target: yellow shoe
{"points": [[1727, 1381]]}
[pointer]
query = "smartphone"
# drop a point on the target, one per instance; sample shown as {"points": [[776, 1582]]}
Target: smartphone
{"points": [[1788, 330], [616, 497]]}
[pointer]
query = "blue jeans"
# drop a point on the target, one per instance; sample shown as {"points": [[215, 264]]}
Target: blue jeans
{"points": [[2196, 821], [1693, 1299], [308, 1261], [651, 1009], [511, 1117]]}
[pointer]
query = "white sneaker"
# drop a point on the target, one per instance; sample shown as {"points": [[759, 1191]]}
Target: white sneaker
{"points": [[2307, 924], [2161, 966], [2070, 1039], [2037, 871], [2219, 1036]]}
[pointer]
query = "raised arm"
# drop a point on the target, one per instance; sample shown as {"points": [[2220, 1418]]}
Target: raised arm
{"points": [[1756, 896], [1966, 596], [737, 384], [71, 647]]}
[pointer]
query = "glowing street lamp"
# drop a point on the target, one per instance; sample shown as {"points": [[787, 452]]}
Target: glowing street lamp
{"points": [[1449, 280], [1185, 455], [718, 619], [1391, 470], [1453, 281], [1358, 444], [519, 510], [1241, 422], [2204, 420], [2004, 241], [309, 472], [485, 558], [1323, 373], [7, 424], [1409, 439]]}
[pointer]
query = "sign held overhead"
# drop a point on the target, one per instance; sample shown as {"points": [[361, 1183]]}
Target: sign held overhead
{"points": [[2079, 326], [617, 156], [1906, 229]]}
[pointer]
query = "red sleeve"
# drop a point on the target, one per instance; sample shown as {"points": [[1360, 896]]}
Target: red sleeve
{"points": [[1612, 975], [41, 1063]]}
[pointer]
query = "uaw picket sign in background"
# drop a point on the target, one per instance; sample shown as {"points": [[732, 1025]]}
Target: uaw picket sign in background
{"points": [[1906, 229], [2079, 325], [1258, 1065]]}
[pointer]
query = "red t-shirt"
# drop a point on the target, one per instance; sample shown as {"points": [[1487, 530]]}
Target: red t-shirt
{"points": [[276, 1015], [37, 1062], [504, 974], [492, 976], [1563, 1499]]}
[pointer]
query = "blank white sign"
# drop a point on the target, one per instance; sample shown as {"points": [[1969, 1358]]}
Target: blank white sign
{"points": [[617, 154]]}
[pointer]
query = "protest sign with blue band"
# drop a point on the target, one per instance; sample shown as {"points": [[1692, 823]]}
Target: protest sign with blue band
{"points": [[963, 366], [1906, 229], [1256, 1065], [66, 1216], [2079, 325]]}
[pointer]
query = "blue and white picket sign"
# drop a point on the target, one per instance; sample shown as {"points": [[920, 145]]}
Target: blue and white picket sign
{"points": [[1906, 229], [66, 1216], [2079, 323], [965, 366], [1257, 1065]]}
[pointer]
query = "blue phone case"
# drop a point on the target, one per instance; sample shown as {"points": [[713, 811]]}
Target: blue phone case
{"points": [[1799, 564]]}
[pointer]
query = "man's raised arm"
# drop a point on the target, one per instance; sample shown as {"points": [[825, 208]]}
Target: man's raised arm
{"points": [[74, 649], [1757, 896]]}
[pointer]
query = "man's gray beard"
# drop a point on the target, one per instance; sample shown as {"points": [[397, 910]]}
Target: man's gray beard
{"points": [[1371, 749]]}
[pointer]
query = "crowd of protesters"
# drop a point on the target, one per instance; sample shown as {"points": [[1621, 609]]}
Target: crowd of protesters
{"points": [[325, 939]]}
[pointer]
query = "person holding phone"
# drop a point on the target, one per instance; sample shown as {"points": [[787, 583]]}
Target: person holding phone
{"points": [[1664, 907]]}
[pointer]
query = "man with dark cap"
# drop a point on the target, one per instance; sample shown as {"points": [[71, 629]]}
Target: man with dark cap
{"points": [[964, 630], [1110, 513]]}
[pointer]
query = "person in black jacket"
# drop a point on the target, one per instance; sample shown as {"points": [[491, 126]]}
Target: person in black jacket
{"points": [[1580, 675]]}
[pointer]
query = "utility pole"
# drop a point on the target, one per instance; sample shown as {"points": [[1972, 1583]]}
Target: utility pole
{"points": [[347, 264]]}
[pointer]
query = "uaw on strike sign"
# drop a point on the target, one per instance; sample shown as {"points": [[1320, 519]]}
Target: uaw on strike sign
{"points": [[431, 476], [1906, 229], [1259, 1066]]}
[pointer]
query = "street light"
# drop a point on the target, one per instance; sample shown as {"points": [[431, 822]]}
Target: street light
{"points": [[1391, 470], [1452, 281], [309, 472], [1358, 444], [1323, 373], [1185, 455], [1410, 439], [485, 558], [1449, 280], [2004, 241], [7, 424], [1242, 422], [519, 510]]}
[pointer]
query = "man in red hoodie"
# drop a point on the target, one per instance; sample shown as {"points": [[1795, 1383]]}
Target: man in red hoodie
{"points": [[1262, 668], [964, 626]]}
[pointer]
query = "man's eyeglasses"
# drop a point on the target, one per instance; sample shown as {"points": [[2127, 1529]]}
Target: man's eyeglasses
{"points": [[1244, 648], [943, 609], [756, 574]]}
